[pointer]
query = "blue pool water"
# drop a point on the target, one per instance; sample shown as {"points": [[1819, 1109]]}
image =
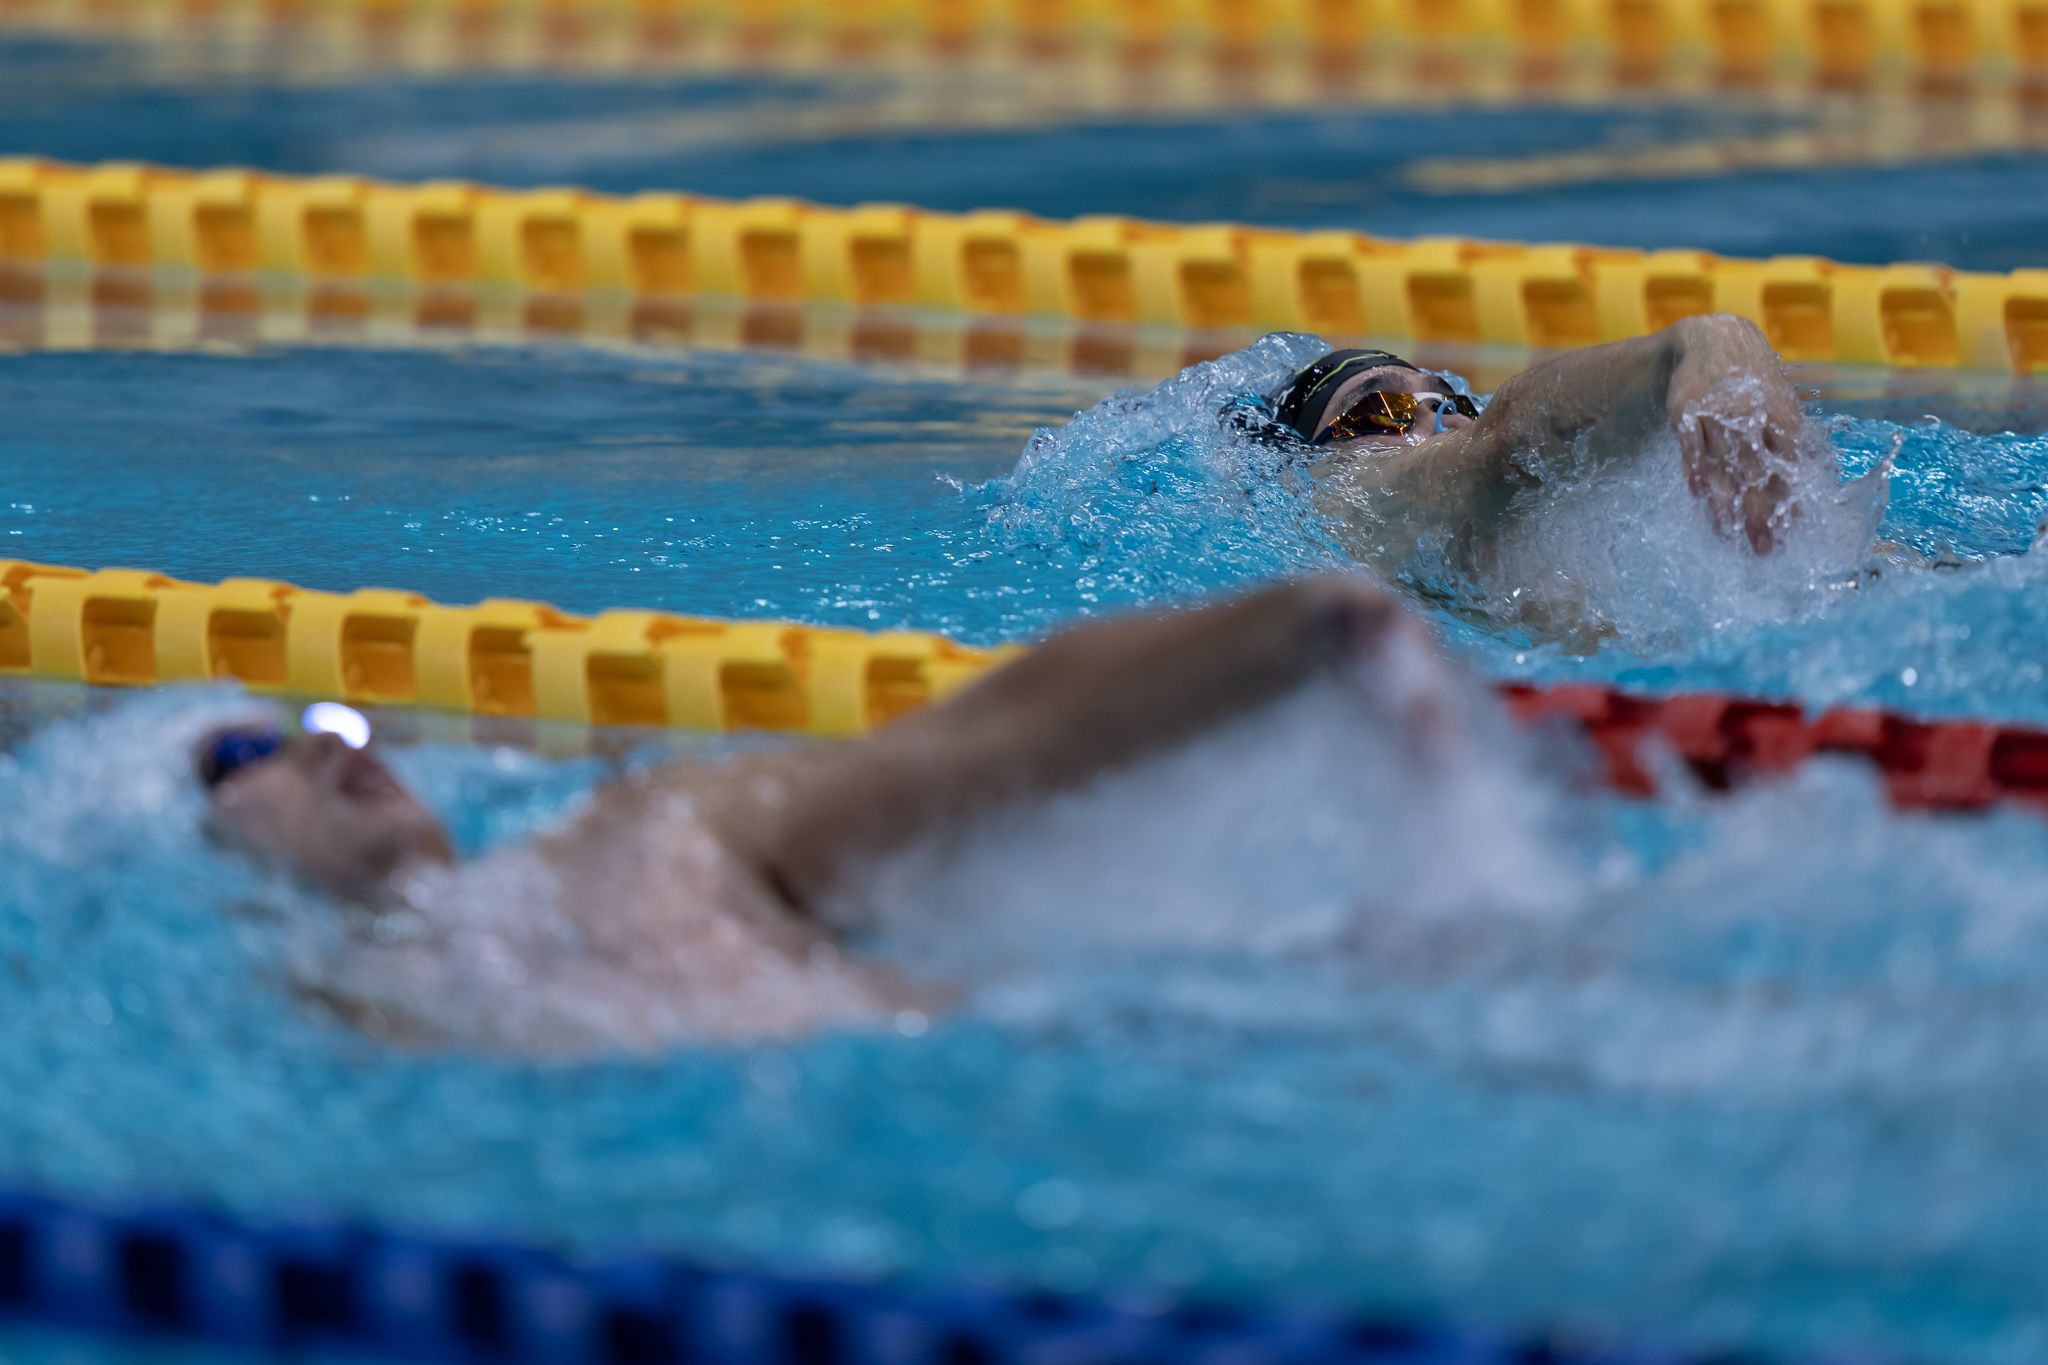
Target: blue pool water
{"points": [[23, 1347], [1452, 1039]]}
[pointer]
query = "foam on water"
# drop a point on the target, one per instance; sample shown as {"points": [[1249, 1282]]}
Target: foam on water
{"points": [[1281, 836], [1151, 495], [1951, 625], [1800, 945]]}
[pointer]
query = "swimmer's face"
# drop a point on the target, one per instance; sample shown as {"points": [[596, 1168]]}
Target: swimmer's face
{"points": [[1434, 393], [334, 815]]}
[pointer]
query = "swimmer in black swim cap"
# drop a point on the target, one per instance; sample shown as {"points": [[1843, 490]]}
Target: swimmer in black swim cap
{"points": [[1355, 395], [1445, 471]]}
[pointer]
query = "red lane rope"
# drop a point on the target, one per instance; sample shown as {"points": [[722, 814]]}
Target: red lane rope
{"points": [[1727, 741]]}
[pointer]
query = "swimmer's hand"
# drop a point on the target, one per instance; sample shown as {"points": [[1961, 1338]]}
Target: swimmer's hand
{"points": [[1738, 425]]}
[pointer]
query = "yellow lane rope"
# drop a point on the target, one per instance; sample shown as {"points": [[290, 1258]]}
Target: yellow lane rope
{"points": [[130, 627], [994, 74], [1834, 40], [344, 240]]}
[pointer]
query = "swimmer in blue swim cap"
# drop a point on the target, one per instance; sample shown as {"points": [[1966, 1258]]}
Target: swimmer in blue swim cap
{"points": [[318, 797], [1712, 384], [702, 877]]}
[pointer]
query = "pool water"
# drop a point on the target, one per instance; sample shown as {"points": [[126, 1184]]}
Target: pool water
{"points": [[1293, 1013], [26, 1347], [1304, 1011]]}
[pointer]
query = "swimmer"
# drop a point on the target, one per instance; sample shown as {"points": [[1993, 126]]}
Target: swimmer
{"points": [[711, 898], [1441, 469]]}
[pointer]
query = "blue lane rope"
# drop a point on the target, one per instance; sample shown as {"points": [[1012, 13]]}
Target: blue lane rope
{"points": [[191, 1276]]}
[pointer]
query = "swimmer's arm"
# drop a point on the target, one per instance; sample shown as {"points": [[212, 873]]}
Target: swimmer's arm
{"points": [[1566, 417], [1087, 701]]}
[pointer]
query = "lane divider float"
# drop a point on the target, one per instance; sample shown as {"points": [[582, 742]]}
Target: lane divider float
{"points": [[343, 240], [198, 1276], [1015, 75], [1833, 40], [503, 657], [1728, 740]]}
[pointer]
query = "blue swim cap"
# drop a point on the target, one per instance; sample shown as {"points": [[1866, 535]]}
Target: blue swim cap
{"points": [[232, 750]]}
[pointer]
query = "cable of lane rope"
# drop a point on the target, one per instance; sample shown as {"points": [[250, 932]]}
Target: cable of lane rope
{"points": [[340, 243]]}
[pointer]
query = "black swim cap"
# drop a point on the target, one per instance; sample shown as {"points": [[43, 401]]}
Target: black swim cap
{"points": [[1305, 402]]}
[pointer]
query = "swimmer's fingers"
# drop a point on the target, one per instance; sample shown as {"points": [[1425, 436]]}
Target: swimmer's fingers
{"points": [[1762, 508], [1692, 456], [1753, 500], [1739, 426], [1778, 442], [1704, 442], [1735, 468]]}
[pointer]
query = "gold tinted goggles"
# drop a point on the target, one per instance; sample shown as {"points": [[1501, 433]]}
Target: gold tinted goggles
{"points": [[1395, 413]]}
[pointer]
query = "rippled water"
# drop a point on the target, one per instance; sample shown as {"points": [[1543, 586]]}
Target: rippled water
{"points": [[1299, 1010]]}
